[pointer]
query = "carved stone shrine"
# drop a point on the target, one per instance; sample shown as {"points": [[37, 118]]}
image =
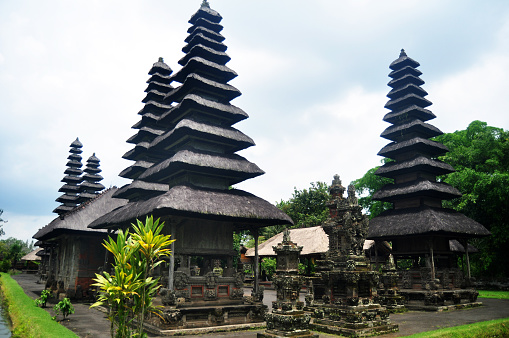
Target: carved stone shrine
{"points": [[342, 295], [287, 318]]}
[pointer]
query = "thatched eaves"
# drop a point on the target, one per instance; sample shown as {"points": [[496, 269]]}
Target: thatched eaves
{"points": [[208, 53], [139, 189], [233, 167], [187, 201], [407, 114], [416, 164], [417, 144], [80, 217], [232, 139], [418, 188], [424, 220], [200, 65], [314, 241], [422, 129], [32, 256], [192, 102], [197, 84]]}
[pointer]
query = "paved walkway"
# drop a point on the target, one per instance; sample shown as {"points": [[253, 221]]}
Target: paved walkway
{"points": [[86, 322]]}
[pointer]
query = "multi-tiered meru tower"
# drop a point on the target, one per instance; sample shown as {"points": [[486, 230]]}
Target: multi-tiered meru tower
{"points": [[417, 226], [186, 165], [72, 179]]}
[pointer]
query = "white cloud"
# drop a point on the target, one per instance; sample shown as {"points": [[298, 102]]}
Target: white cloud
{"points": [[24, 226]]}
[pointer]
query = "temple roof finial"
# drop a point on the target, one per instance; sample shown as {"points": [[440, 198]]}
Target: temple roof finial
{"points": [[160, 59], [205, 3], [402, 53]]}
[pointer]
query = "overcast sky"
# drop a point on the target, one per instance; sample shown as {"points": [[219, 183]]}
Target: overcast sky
{"points": [[313, 77]]}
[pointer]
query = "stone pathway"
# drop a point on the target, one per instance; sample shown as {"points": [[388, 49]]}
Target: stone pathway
{"points": [[86, 322]]}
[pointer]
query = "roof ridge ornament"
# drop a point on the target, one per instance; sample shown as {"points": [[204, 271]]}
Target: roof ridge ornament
{"points": [[205, 3], [402, 53]]}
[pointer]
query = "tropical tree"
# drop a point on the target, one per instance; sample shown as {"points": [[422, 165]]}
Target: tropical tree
{"points": [[2, 221], [366, 186], [480, 155], [129, 290]]}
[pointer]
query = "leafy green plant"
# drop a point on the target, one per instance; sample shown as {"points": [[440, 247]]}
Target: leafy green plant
{"points": [[129, 290], [269, 266], [65, 307], [41, 301]]}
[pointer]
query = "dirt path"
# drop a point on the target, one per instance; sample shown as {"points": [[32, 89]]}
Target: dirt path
{"points": [[86, 322]]}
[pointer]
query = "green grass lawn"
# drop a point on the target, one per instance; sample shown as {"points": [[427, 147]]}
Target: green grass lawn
{"points": [[491, 328], [27, 319], [494, 294]]}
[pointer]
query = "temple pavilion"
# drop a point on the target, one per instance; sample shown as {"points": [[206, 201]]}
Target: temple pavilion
{"points": [[418, 226], [185, 165]]}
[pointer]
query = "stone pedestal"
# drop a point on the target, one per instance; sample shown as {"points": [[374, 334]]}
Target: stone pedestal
{"points": [[287, 318]]}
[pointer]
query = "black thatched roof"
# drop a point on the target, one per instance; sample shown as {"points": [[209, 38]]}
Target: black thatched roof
{"points": [[188, 128], [415, 188], [222, 72], [186, 201], [233, 167], [424, 221], [423, 129], [80, 217], [418, 163], [227, 112], [195, 83], [140, 189], [206, 32], [206, 52], [417, 144]]}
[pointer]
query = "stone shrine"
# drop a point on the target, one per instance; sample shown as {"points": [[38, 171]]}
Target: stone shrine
{"points": [[419, 229], [287, 318], [342, 295]]}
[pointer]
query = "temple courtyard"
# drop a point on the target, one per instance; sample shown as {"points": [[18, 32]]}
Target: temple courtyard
{"points": [[87, 322]]}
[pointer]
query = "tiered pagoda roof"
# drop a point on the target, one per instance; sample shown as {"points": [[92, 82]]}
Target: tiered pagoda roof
{"points": [[191, 160], [416, 194], [159, 84], [90, 186], [72, 179]]}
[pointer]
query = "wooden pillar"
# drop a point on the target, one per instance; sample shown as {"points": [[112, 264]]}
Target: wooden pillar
{"points": [[256, 265], [465, 245], [106, 252], [171, 268], [432, 260], [377, 265]]}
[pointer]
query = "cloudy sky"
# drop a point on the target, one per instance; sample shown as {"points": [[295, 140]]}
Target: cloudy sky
{"points": [[313, 76]]}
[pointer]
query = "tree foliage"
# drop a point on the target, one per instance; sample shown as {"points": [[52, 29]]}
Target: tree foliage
{"points": [[11, 251], [366, 186], [480, 155], [306, 208], [2, 221]]}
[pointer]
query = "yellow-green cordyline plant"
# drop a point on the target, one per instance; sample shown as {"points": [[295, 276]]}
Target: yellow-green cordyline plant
{"points": [[129, 292]]}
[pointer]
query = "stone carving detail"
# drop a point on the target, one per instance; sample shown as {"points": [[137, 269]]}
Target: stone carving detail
{"points": [[210, 294], [180, 280], [239, 280], [211, 280], [168, 297], [345, 297], [406, 278]]}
